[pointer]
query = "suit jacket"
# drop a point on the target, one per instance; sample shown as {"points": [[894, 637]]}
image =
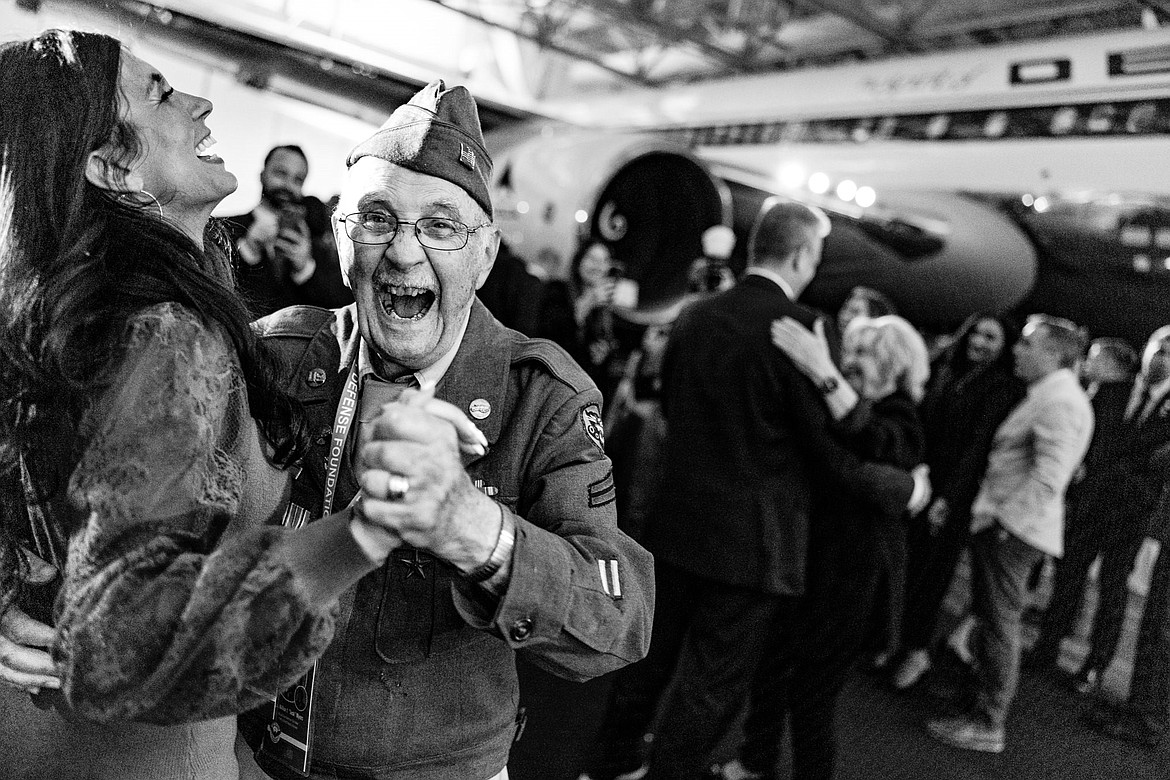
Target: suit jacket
{"points": [[1123, 483], [747, 438], [267, 286], [1033, 457]]}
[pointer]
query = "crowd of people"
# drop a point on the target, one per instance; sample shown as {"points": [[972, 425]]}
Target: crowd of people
{"points": [[281, 497]]}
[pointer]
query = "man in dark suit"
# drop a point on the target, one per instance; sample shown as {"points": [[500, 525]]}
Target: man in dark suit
{"points": [[1122, 495], [284, 249], [747, 435], [1108, 376]]}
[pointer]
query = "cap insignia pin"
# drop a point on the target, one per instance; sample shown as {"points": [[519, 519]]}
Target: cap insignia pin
{"points": [[466, 156]]}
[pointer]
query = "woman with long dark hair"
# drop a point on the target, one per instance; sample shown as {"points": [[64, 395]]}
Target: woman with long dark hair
{"points": [[973, 387], [144, 440]]}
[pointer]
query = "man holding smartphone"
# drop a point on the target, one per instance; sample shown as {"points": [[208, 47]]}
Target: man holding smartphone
{"points": [[284, 249]]}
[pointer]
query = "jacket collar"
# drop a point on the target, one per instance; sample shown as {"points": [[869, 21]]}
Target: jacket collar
{"points": [[477, 379]]}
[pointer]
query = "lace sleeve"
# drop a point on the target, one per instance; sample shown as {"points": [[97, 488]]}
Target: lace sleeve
{"points": [[163, 616]]}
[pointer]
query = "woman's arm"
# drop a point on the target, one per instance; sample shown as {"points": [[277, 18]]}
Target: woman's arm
{"points": [[175, 607], [809, 351]]}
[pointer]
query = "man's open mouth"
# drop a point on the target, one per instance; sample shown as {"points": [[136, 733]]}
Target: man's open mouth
{"points": [[408, 303]]}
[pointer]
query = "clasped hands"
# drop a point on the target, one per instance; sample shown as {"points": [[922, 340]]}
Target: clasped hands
{"points": [[415, 489]]}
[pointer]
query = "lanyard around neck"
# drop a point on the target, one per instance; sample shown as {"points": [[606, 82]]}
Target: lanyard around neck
{"points": [[342, 422]]}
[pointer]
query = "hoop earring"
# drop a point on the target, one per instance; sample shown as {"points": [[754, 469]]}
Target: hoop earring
{"points": [[155, 201], [137, 201]]}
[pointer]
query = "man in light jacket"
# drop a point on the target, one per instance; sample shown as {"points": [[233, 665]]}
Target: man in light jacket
{"points": [[1018, 517]]}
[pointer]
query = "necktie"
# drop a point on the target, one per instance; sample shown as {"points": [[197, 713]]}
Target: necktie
{"points": [[406, 615], [378, 392]]}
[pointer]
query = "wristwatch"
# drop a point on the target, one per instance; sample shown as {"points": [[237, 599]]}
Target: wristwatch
{"points": [[828, 385]]}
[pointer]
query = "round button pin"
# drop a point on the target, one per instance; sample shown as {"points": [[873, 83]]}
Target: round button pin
{"points": [[316, 377], [479, 408]]}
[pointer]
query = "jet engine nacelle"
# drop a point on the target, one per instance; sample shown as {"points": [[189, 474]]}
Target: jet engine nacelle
{"points": [[939, 255], [647, 198]]}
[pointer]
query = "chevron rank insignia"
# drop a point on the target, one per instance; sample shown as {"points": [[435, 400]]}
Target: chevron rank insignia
{"points": [[602, 491]]}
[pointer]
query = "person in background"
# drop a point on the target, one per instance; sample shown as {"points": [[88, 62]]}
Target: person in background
{"points": [[1108, 377], [711, 273], [512, 549], [1144, 717], [595, 276], [747, 439], [145, 444], [972, 389], [513, 294], [285, 253], [1018, 517], [1117, 499], [852, 547], [863, 302]]}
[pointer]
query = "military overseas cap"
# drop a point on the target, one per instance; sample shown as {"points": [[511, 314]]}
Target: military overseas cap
{"points": [[438, 134]]}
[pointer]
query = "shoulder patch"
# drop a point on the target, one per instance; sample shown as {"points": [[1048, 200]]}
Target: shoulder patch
{"points": [[591, 423]]}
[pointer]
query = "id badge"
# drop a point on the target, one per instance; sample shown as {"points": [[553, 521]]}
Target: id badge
{"points": [[288, 736]]}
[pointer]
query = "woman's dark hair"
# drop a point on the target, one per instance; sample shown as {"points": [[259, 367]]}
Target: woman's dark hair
{"points": [[78, 262], [878, 303], [953, 364]]}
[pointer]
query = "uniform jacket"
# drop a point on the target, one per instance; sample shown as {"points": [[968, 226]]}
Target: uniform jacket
{"points": [[420, 681], [747, 439], [1033, 457]]}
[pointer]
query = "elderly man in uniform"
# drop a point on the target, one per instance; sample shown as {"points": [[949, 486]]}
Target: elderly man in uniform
{"points": [[512, 549]]}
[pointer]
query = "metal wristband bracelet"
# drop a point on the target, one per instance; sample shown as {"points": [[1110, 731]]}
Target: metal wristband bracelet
{"points": [[504, 543]]}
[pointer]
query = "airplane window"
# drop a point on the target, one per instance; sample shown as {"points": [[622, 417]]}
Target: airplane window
{"points": [[996, 124], [1141, 118], [887, 127], [937, 126], [966, 125], [913, 127], [1135, 235], [1101, 118], [794, 131], [862, 130], [1063, 121], [1030, 122]]}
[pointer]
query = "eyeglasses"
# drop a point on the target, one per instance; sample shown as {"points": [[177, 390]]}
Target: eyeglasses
{"points": [[380, 227]]}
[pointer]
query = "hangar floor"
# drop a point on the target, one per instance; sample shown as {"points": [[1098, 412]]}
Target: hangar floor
{"points": [[881, 730]]}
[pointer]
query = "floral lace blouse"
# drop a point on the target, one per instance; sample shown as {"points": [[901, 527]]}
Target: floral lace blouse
{"points": [[180, 602]]}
